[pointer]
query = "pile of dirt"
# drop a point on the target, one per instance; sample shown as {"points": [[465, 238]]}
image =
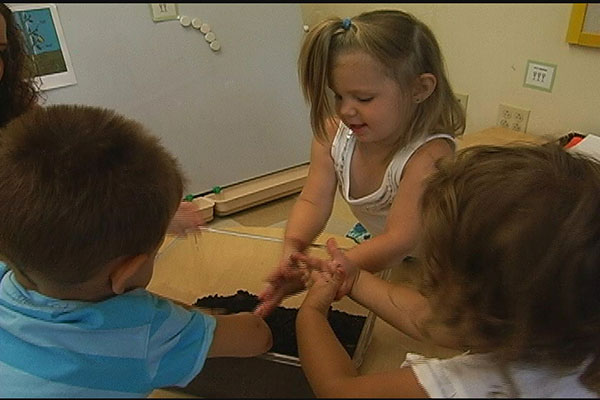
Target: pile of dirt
{"points": [[282, 321]]}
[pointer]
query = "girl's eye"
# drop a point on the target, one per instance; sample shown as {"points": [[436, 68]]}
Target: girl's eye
{"points": [[365, 99]]}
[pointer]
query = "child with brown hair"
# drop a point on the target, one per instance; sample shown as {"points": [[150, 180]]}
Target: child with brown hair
{"points": [[511, 261], [18, 92], [393, 115], [86, 197]]}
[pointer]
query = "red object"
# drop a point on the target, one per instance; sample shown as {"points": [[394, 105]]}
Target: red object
{"points": [[573, 141]]}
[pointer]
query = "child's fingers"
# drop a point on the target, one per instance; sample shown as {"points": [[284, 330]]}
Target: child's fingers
{"points": [[298, 257], [266, 293], [317, 276], [324, 276], [308, 279], [332, 266], [306, 261], [339, 274], [333, 249]]}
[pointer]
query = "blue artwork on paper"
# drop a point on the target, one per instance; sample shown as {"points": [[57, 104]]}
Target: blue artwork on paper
{"points": [[39, 30], [41, 40]]}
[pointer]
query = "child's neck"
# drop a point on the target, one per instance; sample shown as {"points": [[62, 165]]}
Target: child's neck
{"points": [[92, 290], [375, 151]]}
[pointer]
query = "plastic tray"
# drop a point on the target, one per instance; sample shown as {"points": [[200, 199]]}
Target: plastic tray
{"points": [[207, 208], [220, 264]]}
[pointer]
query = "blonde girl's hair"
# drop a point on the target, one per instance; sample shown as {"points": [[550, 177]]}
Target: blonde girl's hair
{"points": [[405, 46], [511, 254]]}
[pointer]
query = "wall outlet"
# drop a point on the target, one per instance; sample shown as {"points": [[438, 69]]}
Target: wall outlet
{"points": [[463, 99], [514, 118]]}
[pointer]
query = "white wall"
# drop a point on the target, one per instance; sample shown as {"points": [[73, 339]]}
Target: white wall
{"points": [[228, 116], [486, 47]]}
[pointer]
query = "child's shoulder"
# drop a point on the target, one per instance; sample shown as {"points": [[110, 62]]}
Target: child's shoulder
{"points": [[428, 152], [438, 145]]}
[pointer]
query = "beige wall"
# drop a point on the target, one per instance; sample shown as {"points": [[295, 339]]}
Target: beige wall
{"points": [[486, 47]]}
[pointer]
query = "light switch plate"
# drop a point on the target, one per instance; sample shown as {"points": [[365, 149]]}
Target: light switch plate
{"points": [[163, 11], [539, 75]]}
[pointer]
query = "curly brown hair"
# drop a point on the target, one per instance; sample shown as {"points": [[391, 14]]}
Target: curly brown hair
{"points": [[18, 91], [512, 253]]}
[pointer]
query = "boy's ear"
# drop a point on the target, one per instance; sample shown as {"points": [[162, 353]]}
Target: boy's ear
{"points": [[424, 85], [122, 275]]}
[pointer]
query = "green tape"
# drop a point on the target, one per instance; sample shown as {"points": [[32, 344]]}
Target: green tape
{"points": [[217, 189]]}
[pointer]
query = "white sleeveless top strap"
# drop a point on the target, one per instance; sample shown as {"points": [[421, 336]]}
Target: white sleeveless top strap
{"points": [[372, 209]]}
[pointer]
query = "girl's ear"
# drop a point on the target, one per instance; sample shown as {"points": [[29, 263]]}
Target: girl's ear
{"points": [[423, 86], [123, 274]]}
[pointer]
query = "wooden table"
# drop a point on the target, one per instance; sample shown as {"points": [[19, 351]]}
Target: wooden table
{"points": [[214, 263], [499, 136], [217, 263]]}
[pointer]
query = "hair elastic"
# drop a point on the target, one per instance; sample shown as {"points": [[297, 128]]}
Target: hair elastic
{"points": [[346, 23]]}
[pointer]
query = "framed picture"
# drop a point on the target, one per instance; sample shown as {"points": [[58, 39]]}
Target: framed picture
{"points": [[45, 42], [584, 25]]}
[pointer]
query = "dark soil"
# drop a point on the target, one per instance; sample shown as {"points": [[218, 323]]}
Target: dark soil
{"points": [[282, 321]]}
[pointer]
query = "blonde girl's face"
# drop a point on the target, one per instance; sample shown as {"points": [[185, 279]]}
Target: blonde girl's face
{"points": [[367, 100], [3, 44]]}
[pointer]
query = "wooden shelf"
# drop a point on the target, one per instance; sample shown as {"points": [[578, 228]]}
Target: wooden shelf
{"points": [[260, 190]]}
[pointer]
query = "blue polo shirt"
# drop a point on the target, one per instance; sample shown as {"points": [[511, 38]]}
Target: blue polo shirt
{"points": [[125, 346]]}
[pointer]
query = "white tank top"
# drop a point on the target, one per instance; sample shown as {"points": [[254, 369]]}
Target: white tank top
{"points": [[372, 209]]}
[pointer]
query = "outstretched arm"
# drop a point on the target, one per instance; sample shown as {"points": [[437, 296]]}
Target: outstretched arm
{"points": [[307, 219], [240, 335], [325, 362], [403, 307]]}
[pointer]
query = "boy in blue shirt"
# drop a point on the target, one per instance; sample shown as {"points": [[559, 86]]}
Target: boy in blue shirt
{"points": [[86, 197]]}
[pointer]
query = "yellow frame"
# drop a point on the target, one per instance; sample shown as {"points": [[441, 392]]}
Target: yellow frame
{"points": [[575, 34]]}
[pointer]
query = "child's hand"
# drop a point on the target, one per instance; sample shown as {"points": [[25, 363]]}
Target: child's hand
{"points": [[323, 286], [284, 281], [338, 260], [187, 218]]}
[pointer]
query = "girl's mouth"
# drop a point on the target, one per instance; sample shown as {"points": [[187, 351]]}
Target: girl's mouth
{"points": [[356, 128]]}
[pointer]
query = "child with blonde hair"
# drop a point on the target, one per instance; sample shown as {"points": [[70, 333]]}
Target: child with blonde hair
{"points": [[86, 197], [511, 262], [393, 115]]}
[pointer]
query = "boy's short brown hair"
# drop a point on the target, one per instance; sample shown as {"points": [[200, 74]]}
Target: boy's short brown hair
{"points": [[512, 252], [79, 187]]}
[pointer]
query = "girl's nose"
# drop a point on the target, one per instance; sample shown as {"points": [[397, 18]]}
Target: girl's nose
{"points": [[347, 109]]}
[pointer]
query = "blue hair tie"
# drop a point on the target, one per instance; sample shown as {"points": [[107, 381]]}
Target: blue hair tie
{"points": [[346, 22]]}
